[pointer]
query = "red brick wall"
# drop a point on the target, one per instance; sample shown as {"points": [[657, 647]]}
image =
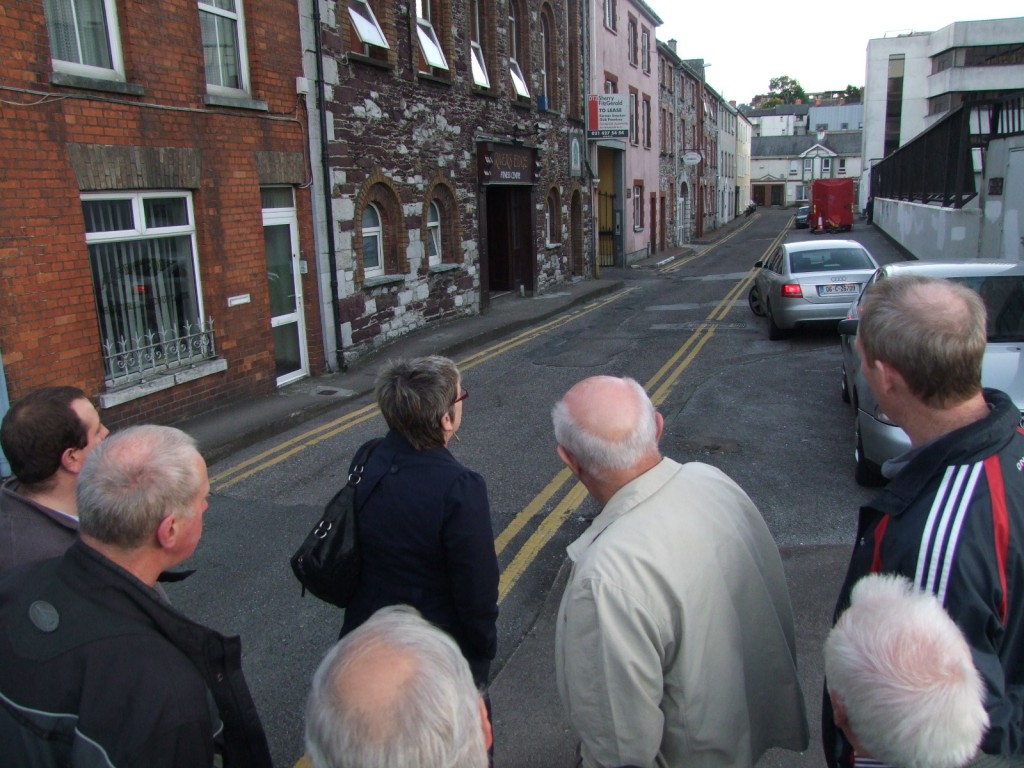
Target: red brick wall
{"points": [[48, 326]]}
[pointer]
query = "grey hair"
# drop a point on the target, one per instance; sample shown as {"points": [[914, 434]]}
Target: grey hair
{"points": [[133, 480], [436, 723], [904, 672], [598, 454], [937, 344]]}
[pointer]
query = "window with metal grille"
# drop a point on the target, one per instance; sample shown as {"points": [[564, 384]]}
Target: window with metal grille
{"points": [[145, 272]]}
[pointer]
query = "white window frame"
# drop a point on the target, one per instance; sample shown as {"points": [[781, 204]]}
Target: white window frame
{"points": [[237, 16], [632, 42], [808, 167], [113, 36], [646, 116], [434, 235], [430, 45], [366, 26], [377, 232], [478, 63], [142, 232], [842, 166], [611, 20], [516, 73], [826, 167], [645, 49], [638, 208], [634, 118]]}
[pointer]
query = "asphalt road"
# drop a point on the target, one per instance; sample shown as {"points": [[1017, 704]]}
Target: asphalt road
{"points": [[767, 413]]}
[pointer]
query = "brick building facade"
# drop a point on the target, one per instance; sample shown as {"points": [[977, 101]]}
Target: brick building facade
{"points": [[155, 204], [454, 138]]}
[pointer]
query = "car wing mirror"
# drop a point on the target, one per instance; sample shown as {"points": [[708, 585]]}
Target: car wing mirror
{"points": [[848, 327], [758, 264]]}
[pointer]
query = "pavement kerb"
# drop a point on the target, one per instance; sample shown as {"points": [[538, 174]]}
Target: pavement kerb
{"points": [[242, 422]]}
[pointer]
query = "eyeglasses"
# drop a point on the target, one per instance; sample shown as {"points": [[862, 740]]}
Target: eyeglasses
{"points": [[461, 397]]}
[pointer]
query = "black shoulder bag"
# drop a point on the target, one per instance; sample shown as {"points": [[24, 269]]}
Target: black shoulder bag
{"points": [[328, 562]]}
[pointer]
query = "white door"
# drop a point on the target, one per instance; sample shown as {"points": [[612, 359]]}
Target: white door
{"points": [[284, 282]]}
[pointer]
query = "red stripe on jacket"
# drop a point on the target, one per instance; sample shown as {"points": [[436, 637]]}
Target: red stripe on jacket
{"points": [[1000, 524], [876, 561]]}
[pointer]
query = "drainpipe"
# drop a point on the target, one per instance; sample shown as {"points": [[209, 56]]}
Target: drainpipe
{"points": [[5, 403], [332, 255]]}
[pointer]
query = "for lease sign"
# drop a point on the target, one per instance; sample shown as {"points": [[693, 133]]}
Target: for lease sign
{"points": [[607, 116]]}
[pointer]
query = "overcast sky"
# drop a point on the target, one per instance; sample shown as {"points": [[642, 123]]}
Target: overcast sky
{"points": [[822, 46]]}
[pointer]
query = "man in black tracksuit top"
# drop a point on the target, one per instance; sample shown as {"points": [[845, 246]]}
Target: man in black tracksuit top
{"points": [[97, 670], [952, 518]]}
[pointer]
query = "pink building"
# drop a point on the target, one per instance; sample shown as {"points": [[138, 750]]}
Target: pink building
{"points": [[631, 211]]}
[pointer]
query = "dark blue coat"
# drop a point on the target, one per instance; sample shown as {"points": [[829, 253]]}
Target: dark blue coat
{"points": [[427, 541]]}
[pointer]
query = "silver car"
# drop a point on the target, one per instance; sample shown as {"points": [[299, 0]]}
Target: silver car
{"points": [[809, 281], [1001, 285]]}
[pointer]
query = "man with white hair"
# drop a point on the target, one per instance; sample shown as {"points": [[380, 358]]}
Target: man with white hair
{"points": [[98, 669], [396, 691], [904, 688], [675, 643]]}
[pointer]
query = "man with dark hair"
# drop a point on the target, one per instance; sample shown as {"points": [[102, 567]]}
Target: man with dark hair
{"points": [[952, 516], [97, 668], [47, 436]]}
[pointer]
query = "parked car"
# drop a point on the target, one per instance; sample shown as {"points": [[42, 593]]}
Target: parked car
{"points": [[1001, 285], [809, 281], [800, 218]]}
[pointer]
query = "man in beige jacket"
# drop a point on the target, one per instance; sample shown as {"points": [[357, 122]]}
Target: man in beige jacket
{"points": [[675, 642]]}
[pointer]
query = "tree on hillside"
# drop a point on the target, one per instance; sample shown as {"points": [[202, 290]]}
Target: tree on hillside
{"points": [[853, 94], [788, 90], [782, 90]]}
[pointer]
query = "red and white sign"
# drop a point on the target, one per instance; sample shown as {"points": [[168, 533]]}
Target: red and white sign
{"points": [[607, 116]]}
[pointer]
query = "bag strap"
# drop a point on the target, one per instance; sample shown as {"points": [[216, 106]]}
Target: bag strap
{"points": [[355, 474]]}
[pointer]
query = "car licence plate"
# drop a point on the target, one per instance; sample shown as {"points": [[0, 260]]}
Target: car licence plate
{"points": [[833, 289]]}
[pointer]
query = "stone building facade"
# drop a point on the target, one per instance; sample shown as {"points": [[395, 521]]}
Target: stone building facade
{"points": [[453, 142]]}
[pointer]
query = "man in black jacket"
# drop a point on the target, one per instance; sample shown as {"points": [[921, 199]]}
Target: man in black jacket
{"points": [[952, 519], [97, 668]]}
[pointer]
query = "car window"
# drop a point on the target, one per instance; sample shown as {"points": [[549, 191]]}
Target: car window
{"points": [[775, 261], [1004, 304], [830, 260]]}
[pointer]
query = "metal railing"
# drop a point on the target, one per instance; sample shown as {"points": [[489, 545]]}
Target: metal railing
{"points": [[939, 166], [154, 353]]}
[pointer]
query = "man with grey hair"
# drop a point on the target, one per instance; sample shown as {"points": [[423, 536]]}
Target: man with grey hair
{"points": [[396, 691], [98, 668], [903, 686], [675, 643], [952, 516]]}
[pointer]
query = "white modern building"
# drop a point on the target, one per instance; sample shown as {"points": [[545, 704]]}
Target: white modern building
{"points": [[912, 80]]}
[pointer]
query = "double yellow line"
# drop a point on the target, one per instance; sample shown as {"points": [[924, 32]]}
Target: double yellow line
{"points": [[285, 450], [658, 387], [683, 262]]}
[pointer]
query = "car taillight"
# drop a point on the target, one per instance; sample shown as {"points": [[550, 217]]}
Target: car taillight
{"points": [[792, 291]]}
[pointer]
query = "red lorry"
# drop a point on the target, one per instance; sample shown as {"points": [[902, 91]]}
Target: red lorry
{"points": [[831, 206]]}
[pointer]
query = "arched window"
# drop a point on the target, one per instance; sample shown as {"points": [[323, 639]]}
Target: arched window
{"points": [[373, 242], [517, 51], [478, 60], [552, 218], [548, 60], [435, 248]]}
